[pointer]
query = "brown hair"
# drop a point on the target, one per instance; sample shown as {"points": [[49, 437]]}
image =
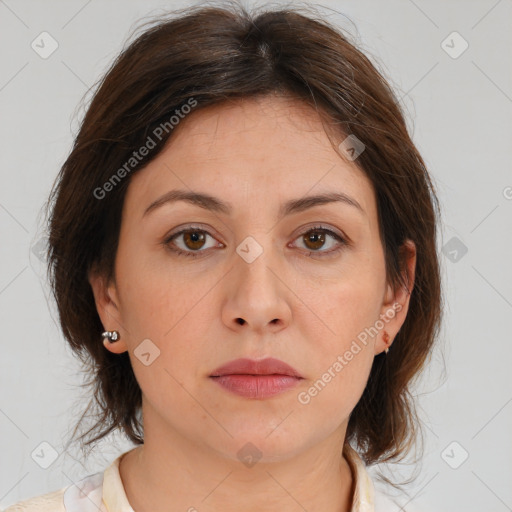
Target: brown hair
{"points": [[214, 54]]}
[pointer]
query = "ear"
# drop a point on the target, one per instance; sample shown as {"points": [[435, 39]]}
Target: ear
{"points": [[396, 301], [105, 297]]}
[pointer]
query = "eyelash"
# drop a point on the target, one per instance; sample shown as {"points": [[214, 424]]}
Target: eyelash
{"points": [[196, 254]]}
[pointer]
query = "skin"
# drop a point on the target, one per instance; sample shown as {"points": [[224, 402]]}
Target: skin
{"points": [[188, 308]]}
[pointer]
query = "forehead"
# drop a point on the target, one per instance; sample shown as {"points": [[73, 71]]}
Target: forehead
{"points": [[288, 128], [260, 149]]}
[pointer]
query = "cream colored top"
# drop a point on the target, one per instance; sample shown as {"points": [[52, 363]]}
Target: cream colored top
{"points": [[105, 492]]}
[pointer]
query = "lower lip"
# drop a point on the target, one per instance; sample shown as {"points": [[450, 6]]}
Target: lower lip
{"points": [[256, 386]]}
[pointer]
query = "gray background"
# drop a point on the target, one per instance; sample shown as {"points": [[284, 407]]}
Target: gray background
{"points": [[459, 109]]}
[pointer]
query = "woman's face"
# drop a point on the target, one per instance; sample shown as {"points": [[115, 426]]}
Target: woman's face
{"points": [[255, 278]]}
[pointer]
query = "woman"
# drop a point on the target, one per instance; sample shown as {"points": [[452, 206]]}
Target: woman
{"points": [[243, 250]]}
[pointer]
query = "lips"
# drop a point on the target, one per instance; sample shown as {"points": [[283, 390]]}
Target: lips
{"points": [[268, 366], [259, 380]]}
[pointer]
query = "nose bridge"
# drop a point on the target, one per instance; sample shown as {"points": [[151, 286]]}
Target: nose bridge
{"points": [[254, 267], [256, 295]]}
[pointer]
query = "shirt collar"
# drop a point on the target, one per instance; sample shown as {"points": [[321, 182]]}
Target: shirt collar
{"points": [[114, 495], [364, 492]]}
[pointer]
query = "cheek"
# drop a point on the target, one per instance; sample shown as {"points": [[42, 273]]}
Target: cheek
{"points": [[330, 399], [341, 345], [341, 366], [340, 310], [157, 294], [174, 311]]}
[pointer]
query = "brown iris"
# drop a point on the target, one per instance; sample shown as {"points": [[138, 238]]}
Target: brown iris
{"points": [[196, 239], [315, 237]]}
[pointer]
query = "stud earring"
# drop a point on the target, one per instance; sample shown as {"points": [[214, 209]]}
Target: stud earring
{"points": [[385, 338], [111, 336]]}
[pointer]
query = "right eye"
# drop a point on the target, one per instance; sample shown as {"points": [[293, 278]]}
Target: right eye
{"points": [[192, 241]]}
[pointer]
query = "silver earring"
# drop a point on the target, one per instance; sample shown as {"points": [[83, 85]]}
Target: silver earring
{"points": [[111, 336]]}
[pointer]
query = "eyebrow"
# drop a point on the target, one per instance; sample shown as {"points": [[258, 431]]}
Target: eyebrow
{"points": [[211, 203]]}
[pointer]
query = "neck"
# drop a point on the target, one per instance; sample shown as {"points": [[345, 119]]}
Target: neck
{"points": [[171, 472]]}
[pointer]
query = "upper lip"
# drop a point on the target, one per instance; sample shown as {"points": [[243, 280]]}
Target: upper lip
{"points": [[268, 366]]}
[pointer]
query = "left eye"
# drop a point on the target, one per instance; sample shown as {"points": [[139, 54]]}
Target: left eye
{"points": [[315, 238]]}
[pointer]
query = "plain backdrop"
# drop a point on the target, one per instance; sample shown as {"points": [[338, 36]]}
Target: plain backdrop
{"points": [[450, 63]]}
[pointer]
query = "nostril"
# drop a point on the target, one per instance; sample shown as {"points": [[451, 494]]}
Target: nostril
{"points": [[241, 321]]}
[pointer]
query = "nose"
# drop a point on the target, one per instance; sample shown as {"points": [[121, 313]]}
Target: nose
{"points": [[256, 297]]}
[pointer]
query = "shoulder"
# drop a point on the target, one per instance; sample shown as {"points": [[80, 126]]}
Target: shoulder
{"points": [[51, 502], [83, 496]]}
